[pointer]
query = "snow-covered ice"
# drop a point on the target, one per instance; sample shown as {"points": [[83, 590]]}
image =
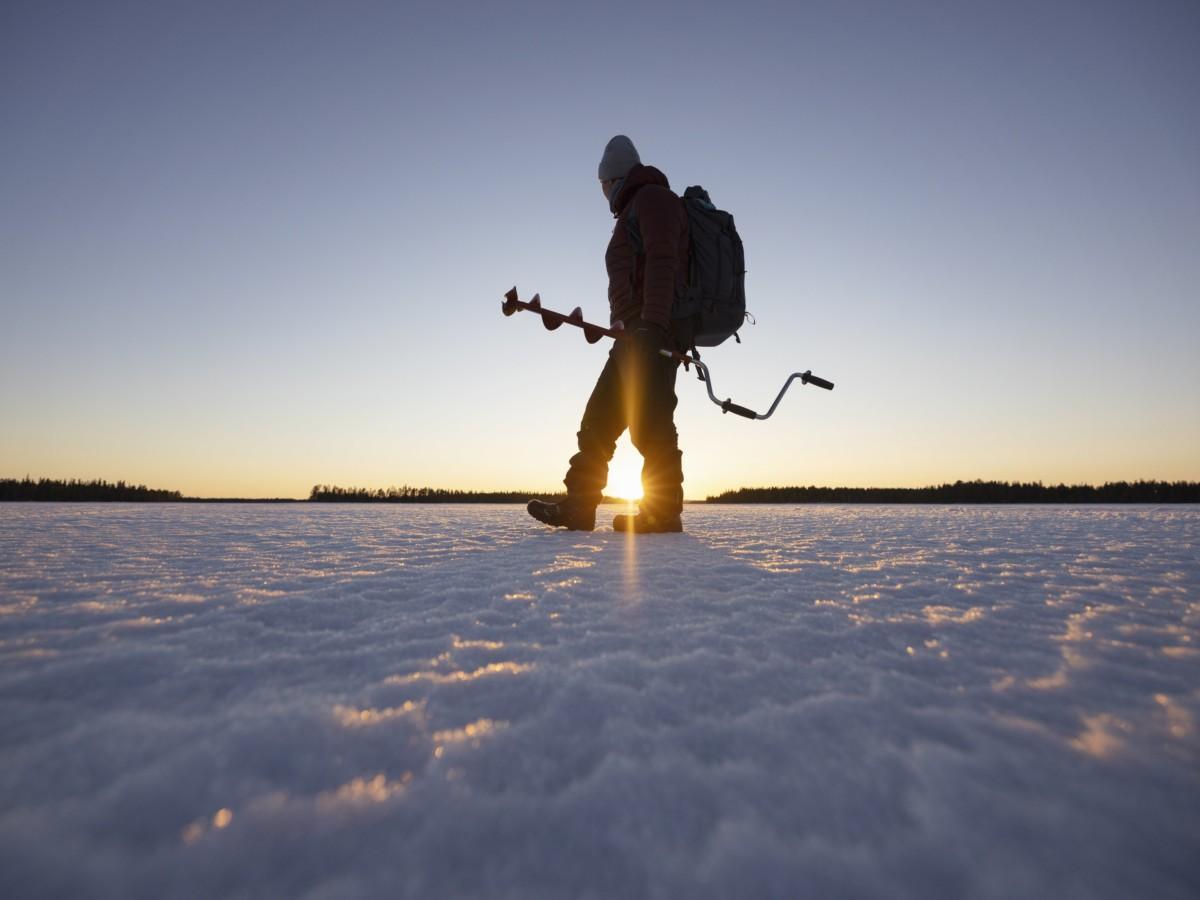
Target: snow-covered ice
{"points": [[381, 701]]}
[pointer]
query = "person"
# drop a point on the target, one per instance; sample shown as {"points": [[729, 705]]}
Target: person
{"points": [[647, 263]]}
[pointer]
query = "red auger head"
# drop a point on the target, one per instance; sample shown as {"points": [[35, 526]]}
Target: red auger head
{"points": [[509, 305]]}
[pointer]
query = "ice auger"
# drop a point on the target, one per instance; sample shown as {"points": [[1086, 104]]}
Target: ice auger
{"points": [[594, 333]]}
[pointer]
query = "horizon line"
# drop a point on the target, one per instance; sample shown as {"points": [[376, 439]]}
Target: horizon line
{"points": [[325, 493]]}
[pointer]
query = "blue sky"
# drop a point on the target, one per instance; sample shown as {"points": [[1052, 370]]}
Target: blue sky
{"points": [[246, 248]]}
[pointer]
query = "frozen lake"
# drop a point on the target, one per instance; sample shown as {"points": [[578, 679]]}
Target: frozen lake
{"points": [[453, 701]]}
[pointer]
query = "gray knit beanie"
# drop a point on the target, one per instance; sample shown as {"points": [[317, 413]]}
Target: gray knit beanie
{"points": [[619, 157]]}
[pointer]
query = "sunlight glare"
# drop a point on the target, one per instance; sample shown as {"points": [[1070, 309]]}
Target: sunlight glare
{"points": [[625, 474]]}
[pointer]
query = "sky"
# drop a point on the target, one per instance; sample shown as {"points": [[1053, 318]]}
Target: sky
{"points": [[250, 248]]}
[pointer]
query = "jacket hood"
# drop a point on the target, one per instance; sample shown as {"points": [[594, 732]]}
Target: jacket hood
{"points": [[639, 176]]}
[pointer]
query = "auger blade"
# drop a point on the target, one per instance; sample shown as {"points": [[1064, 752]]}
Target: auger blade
{"points": [[510, 304]]}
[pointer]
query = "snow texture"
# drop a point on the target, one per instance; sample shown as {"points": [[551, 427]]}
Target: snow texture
{"points": [[346, 701]]}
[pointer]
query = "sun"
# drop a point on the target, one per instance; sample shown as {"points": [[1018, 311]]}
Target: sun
{"points": [[625, 474]]}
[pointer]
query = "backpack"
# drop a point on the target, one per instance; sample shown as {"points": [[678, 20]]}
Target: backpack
{"points": [[715, 300]]}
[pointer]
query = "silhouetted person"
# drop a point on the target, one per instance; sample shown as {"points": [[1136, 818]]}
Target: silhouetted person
{"points": [[647, 262]]}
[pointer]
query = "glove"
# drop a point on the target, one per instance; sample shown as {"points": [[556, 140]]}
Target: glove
{"points": [[650, 336]]}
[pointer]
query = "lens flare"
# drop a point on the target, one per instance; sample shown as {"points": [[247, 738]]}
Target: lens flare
{"points": [[625, 474]]}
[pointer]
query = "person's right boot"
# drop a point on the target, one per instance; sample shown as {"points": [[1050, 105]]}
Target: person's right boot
{"points": [[647, 523], [659, 512], [569, 514]]}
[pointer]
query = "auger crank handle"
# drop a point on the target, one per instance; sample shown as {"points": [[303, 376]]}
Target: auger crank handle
{"points": [[809, 378], [727, 405], [730, 407]]}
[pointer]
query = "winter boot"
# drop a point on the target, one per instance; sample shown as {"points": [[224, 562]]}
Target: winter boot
{"points": [[647, 523], [564, 514]]}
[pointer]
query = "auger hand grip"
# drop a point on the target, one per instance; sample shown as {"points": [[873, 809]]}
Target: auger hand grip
{"points": [[809, 378], [730, 407]]}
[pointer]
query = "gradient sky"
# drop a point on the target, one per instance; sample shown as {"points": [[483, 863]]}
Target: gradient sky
{"points": [[250, 247]]}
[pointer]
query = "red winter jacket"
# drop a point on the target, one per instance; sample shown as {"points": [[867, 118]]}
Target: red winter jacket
{"points": [[645, 284]]}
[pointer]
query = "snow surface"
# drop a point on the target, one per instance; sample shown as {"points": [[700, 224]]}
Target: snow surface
{"points": [[347, 701]]}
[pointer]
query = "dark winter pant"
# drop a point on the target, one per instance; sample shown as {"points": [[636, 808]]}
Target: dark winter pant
{"points": [[636, 390]]}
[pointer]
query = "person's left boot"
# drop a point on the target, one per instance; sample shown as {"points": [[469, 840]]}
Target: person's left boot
{"points": [[647, 523], [566, 513]]}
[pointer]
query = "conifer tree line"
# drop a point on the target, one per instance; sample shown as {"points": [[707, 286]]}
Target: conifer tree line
{"points": [[76, 490], [976, 492], [326, 493]]}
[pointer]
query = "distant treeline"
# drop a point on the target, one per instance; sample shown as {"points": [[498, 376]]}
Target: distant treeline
{"points": [[328, 493], [325, 493], [976, 492], [50, 489]]}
